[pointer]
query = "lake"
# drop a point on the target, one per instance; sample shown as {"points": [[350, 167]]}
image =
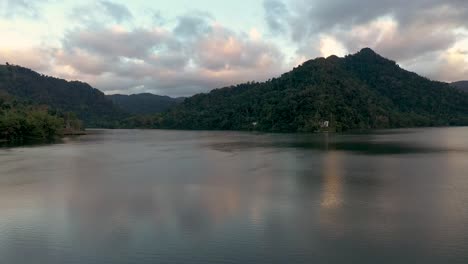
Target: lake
{"points": [[155, 196]]}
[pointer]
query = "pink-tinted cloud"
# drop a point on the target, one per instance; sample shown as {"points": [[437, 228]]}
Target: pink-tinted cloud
{"points": [[196, 55]]}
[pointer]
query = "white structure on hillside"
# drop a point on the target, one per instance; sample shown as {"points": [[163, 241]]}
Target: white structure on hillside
{"points": [[325, 124]]}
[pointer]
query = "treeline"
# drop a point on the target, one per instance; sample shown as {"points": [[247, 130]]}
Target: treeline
{"points": [[360, 91], [20, 122], [461, 85], [89, 104], [145, 103]]}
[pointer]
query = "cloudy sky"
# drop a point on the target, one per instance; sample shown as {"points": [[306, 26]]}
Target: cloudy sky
{"points": [[182, 47]]}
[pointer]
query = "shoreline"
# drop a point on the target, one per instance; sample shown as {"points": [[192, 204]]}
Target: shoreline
{"points": [[80, 133], [71, 132]]}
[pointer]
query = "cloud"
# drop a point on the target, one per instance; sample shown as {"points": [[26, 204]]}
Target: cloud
{"points": [[118, 12], [196, 55], [319, 16], [388, 37], [157, 17], [277, 15], [451, 65], [104, 43], [100, 13], [20, 8], [222, 49], [193, 24], [399, 29], [37, 58], [330, 46], [116, 41], [191, 54]]}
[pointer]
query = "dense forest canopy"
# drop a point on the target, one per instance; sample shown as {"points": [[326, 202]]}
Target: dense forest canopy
{"points": [[89, 104], [360, 91], [19, 122], [461, 85], [145, 103]]}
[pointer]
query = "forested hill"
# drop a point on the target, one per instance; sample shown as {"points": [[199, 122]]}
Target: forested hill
{"points": [[359, 91], [89, 104], [20, 121], [462, 85], [145, 103]]}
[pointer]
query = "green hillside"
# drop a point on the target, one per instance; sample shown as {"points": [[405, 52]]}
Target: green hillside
{"points": [[89, 104], [461, 85], [360, 91], [145, 103]]}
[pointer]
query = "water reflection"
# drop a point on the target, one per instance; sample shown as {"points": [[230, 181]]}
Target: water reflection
{"points": [[372, 144], [333, 181], [224, 197]]}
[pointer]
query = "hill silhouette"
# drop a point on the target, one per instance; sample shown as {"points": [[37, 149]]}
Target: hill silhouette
{"points": [[461, 85], [360, 91], [88, 103], [145, 103]]}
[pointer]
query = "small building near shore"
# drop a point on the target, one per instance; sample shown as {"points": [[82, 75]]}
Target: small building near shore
{"points": [[324, 124]]}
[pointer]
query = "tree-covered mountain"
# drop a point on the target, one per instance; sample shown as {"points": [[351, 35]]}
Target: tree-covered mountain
{"points": [[461, 85], [145, 103], [359, 91], [88, 103]]}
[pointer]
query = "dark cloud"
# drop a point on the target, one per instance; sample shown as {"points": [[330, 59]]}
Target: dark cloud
{"points": [[309, 18], [321, 16], [400, 29]]}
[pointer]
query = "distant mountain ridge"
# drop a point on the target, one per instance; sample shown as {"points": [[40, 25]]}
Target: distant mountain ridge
{"points": [[88, 103], [360, 91], [461, 85], [144, 103]]}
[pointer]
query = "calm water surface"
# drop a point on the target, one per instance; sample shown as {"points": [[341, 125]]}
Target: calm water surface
{"points": [[136, 196]]}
